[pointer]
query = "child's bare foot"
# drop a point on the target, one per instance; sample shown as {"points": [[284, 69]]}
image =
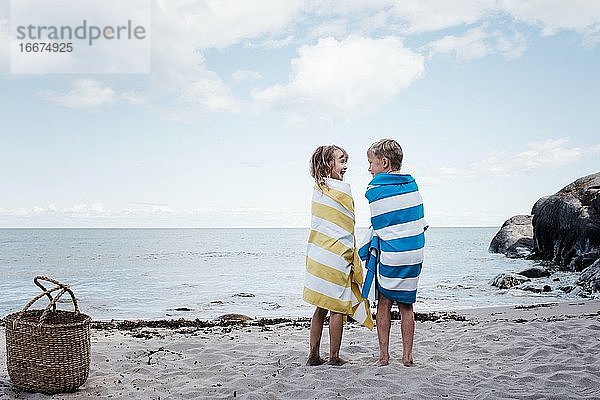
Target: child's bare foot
{"points": [[313, 361], [409, 363], [337, 361], [382, 362]]}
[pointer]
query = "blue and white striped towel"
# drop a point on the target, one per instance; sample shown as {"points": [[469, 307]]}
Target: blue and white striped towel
{"points": [[393, 249]]}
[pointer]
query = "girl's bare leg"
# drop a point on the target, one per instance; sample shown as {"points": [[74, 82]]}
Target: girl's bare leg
{"points": [[316, 330], [336, 327]]}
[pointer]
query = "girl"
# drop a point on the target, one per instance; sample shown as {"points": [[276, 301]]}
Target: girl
{"points": [[333, 271]]}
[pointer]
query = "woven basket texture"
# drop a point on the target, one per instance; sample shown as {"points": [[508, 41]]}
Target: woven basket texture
{"points": [[51, 357]]}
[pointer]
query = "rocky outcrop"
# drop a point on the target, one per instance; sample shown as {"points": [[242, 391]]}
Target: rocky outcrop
{"points": [[515, 237], [590, 278], [565, 230], [566, 225]]}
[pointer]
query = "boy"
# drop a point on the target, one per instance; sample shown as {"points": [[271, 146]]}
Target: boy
{"points": [[393, 253]]}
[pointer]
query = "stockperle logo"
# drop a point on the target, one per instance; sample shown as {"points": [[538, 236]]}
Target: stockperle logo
{"points": [[80, 36]]}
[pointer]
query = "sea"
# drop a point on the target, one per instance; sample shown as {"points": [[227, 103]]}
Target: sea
{"points": [[206, 273]]}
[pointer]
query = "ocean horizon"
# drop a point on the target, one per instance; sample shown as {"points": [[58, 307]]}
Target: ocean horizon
{"points": [[161, 273]]}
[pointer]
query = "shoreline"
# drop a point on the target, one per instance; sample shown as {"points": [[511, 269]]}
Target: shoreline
{"points": [[243, 320], [226, 320], [541, 351]]}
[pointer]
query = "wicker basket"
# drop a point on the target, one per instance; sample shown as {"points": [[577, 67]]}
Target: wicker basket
{"points": [[48, 350]]}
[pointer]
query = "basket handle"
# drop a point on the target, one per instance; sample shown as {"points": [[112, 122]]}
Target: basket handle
{"points": [[64, 288], [37, 279]]}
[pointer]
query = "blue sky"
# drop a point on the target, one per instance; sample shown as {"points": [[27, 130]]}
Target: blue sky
{"points": [[494, 102]]}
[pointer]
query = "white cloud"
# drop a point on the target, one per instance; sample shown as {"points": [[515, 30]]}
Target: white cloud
{"points": [[319, 72], [135, 98], [337, 28], [179, 72], [470, 46], [510, 46], [182, 30], [445, 174], [433, 15], [98, 215], [408, 16], [477, 43], [245, 75], [350, 75], [271, 43], [86, 94], [583, 16], [219, 24], [551, 153], [210, 93], [348, 7], [340, 19], [94, 209], [336, 72], [85, 210], [417, 16]]}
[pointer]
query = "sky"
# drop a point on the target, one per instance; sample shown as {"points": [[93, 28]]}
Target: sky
{"points": [[495, 103]]}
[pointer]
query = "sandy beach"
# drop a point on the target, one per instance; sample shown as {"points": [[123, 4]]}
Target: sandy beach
{"points": [[540, 352]]}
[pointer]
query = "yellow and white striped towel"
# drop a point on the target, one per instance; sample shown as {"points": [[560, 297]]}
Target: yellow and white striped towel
{"points": [[334, 275]]}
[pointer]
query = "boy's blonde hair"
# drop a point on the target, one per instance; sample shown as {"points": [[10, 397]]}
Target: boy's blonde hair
{"points": [[389, 149], [321, 163]]}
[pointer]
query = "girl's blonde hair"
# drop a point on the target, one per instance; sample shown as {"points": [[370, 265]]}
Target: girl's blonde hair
{"points": [[322, 161]]}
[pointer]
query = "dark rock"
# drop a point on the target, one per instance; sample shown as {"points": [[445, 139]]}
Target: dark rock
{"points": [[234, 317], [508, 280], [243, 295], [566, 289], [589, 279], [522, 248], [578, 291], [535, 289], [529, 288], [586, 260], [566, 225], [546, 288], [515, 237], [535, 272], [183, 309]]}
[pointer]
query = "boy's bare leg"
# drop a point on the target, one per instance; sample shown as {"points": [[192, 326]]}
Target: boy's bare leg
{"points": [[336, 328], [407, 326], [384, 306], [316, 330]]}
